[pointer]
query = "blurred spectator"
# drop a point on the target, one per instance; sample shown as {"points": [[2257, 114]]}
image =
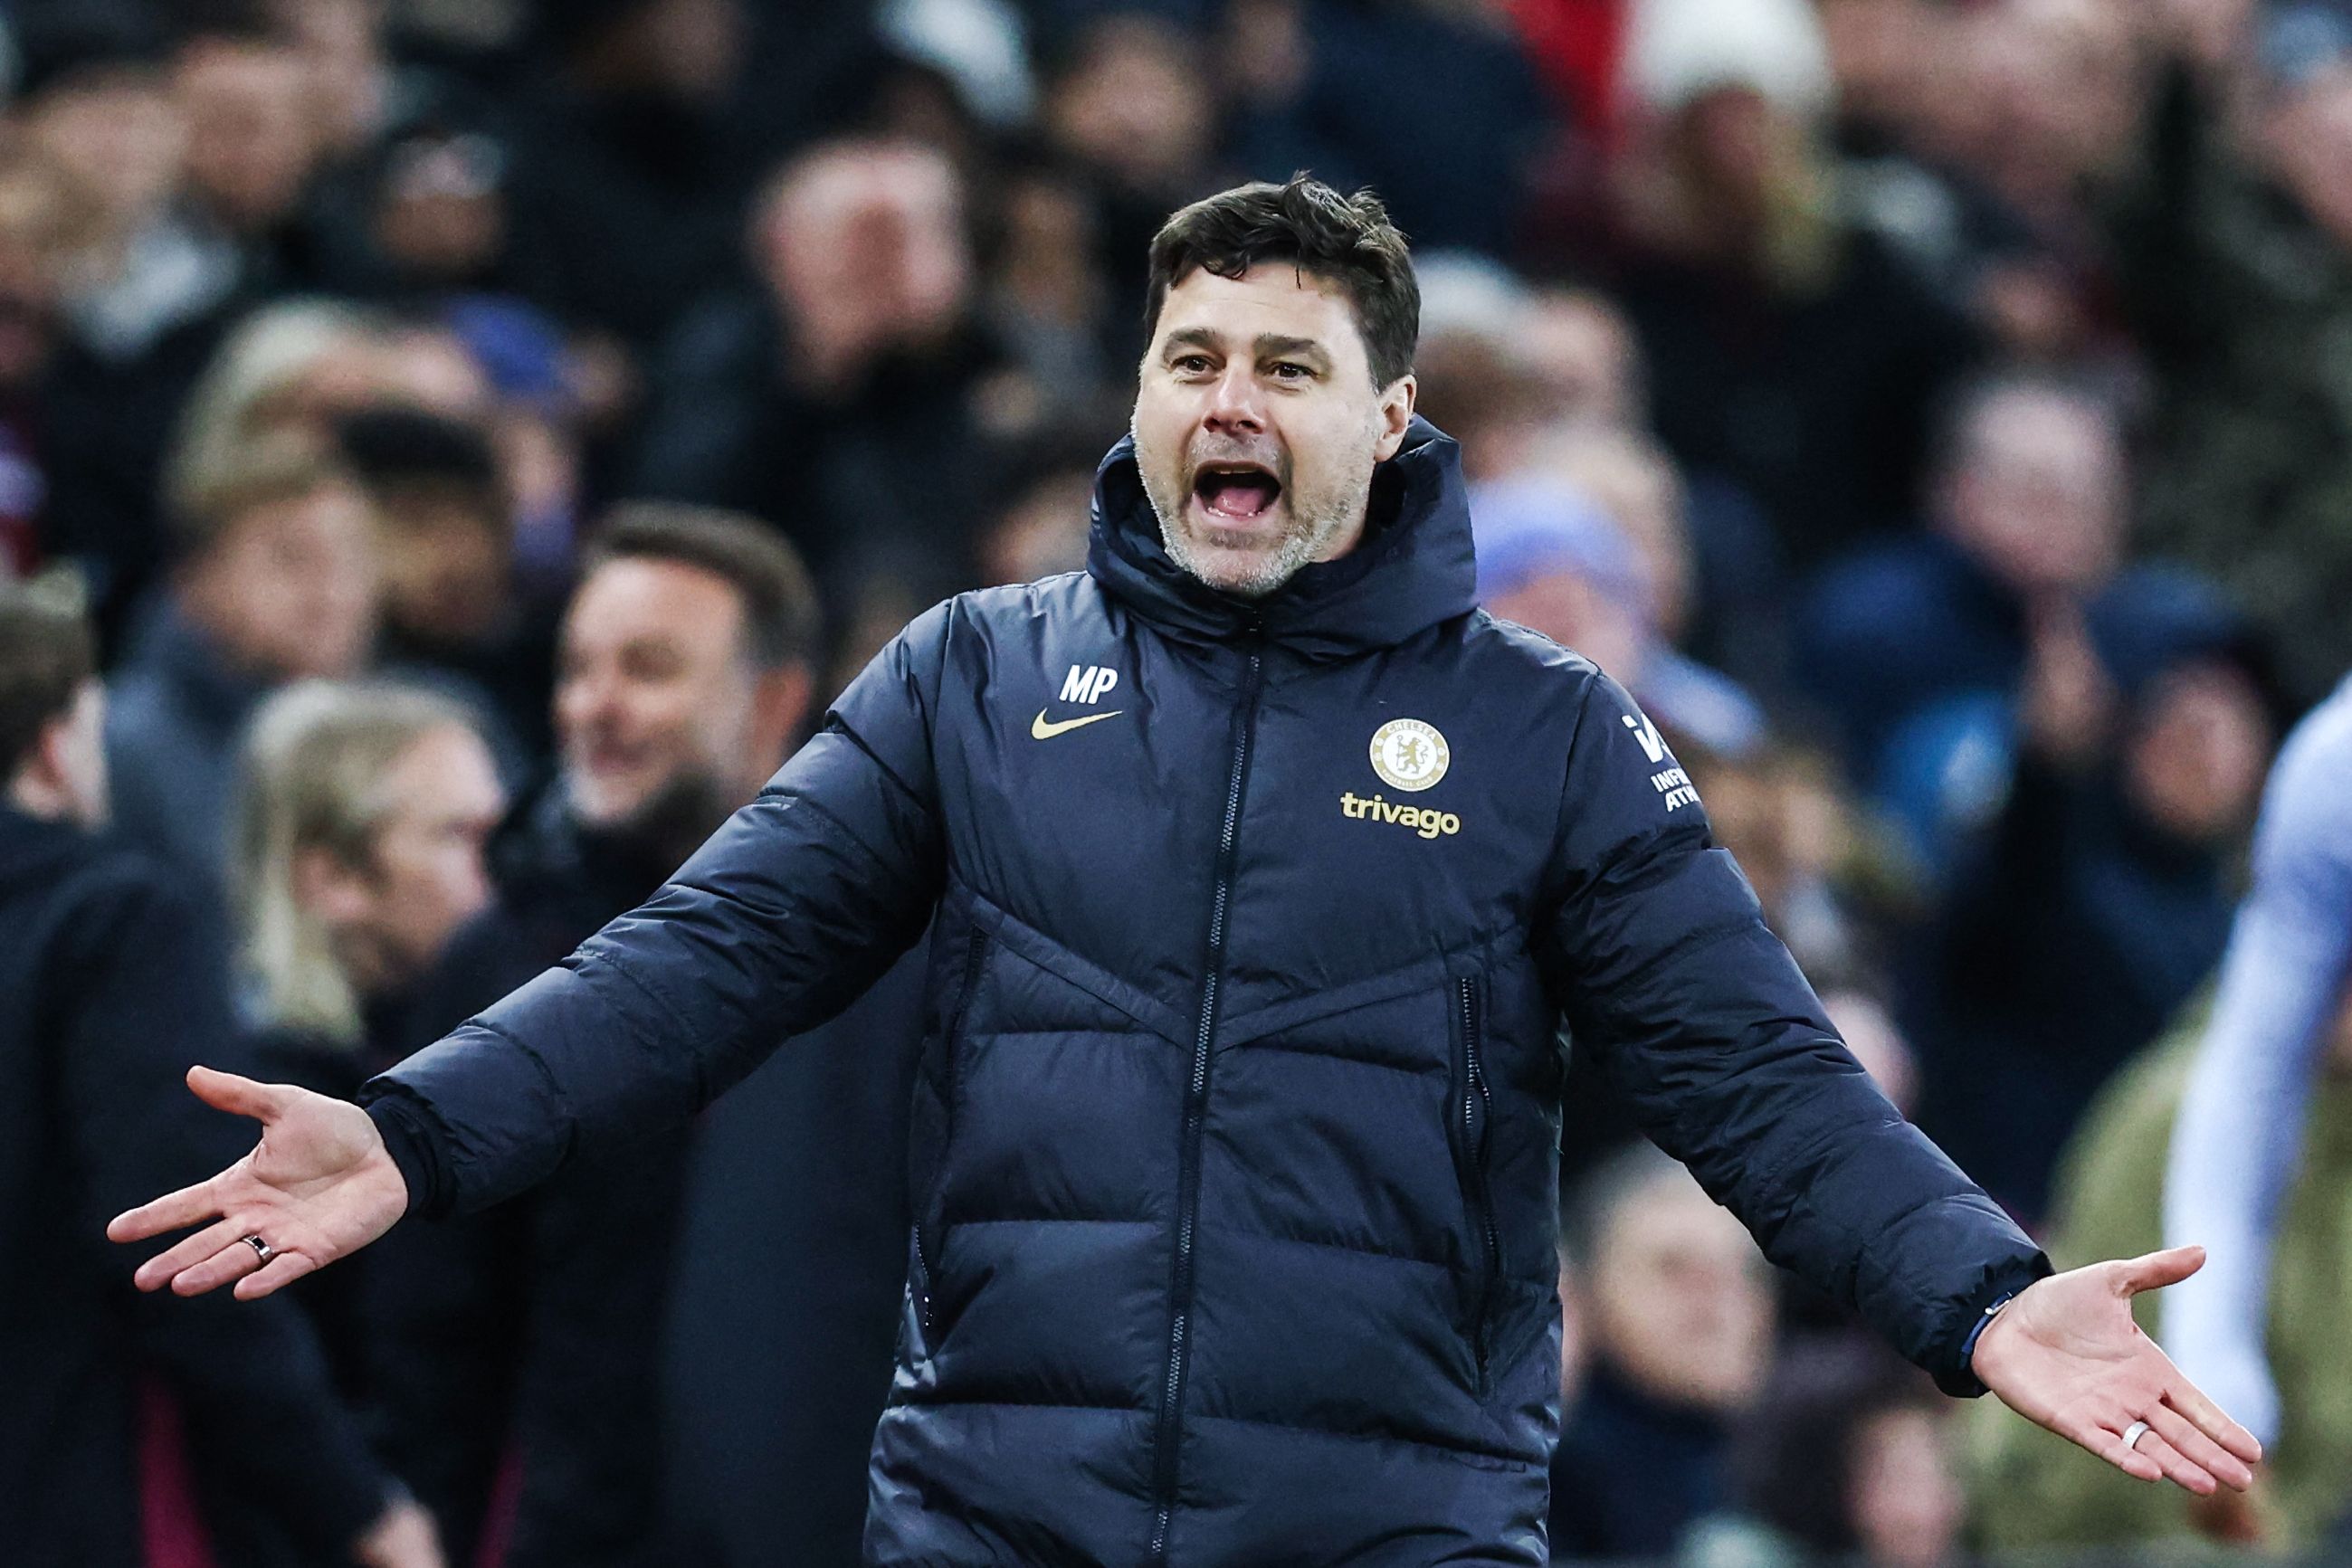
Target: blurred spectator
{"points": [[860, 351], [276, 582], [1045, 525], [2098, 898], [362, 815], [2026, 513], [1130, 102], [1434, 105], [445, 536], [253, 143], [1477, 381], [1548, 559], [1850, 1459], [1718, 582], [1780, 810], [626, 185], [362, 818], [296, 366], [146, 289], [347, 75], [2237, 257], [115, 990], [1788, 350], [537, 1329], [542, 402], [41, 210], [432, 212], [1045, 297], [1681, 1323], [1976, 137], [2031, 1494]]}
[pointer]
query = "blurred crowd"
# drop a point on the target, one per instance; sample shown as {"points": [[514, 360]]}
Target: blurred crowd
{"points": [[479, 437]]}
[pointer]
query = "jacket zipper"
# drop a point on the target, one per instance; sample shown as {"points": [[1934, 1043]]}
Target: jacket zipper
{"points": [[1196, 1099], [973, 951], [1477, 1120]]}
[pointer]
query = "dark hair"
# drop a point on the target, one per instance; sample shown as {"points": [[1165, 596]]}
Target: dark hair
{"points": [[47, 656], [406, 454], [780, 602], [1348, 239]]}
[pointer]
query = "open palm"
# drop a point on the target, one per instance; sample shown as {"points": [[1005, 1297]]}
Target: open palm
{"points": [[318, 1187], [2067, 1355]]}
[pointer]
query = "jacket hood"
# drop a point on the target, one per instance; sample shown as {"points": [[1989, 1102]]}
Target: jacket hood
{"points": [[1414, 569]]}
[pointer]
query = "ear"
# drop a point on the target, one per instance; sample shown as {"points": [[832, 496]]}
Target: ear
{"points": [[327, 889], [780, 707], [1396, 413]]}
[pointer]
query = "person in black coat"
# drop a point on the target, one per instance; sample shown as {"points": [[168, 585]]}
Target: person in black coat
{"points": [[2086, 913], [862, 340], [538, 1332], [115, 988], [362, 813], [1264, 866]]}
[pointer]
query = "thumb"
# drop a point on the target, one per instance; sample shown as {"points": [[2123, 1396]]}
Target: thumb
{"points": [[264, 1102], [2154, 1270]]}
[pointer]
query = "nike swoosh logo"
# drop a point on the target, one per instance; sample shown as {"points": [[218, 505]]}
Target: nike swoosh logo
{"points": [[1040, 730]]}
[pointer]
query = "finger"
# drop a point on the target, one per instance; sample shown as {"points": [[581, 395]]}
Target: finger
{"points": [[2200, 1449], [164, 1267], [2109, 1446], [2179, 1469], [172, 1211], [227, 1091], [2154, 1270], [280, 1272], [2211, 1419], [234, 1261]]}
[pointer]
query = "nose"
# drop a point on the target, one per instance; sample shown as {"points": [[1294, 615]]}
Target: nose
{"points": [[586, 698], [1236, 405]]}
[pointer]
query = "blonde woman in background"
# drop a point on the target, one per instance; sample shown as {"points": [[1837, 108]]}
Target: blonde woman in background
{"points": [[361, 817], [361, 825]]}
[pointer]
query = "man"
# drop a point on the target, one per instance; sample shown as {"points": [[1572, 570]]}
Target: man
{"points": [[1264, 865], [112, 991], [445, 540], [862, 338], [2027, 511], [2241, 1118], [687, 662], [1680, 1320], [276, 582]]}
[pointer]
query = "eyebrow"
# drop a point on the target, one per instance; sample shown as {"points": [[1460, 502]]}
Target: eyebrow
{"points": [[1268, 344]]}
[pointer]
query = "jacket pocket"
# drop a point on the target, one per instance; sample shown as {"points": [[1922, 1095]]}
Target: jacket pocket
{"points": [[927, 1218], [1469, 1117]]}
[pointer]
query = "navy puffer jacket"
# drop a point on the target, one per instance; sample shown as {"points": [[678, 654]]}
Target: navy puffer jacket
{"points": [[1239, 1115]]}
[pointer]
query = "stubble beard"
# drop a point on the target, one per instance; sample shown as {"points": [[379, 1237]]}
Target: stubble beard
{"points": [[1259, 573]]}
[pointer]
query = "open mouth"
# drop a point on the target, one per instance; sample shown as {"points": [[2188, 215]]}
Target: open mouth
{"points": [[1236, 492]]}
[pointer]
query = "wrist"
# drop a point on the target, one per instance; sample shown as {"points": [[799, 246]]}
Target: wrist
{"points": [[1983, 1325], [409, 1148]]}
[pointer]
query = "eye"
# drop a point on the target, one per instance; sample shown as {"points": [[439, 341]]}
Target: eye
{"points": [[1190, 364], [1291, 370]]}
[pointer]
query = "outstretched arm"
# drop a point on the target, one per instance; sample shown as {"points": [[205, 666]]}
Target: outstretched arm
{"points": [[781, 920], [1666, 971]]}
